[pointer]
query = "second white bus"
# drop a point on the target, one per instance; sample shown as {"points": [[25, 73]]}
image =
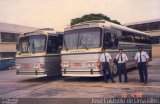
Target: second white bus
{"points": [[82, 44]]}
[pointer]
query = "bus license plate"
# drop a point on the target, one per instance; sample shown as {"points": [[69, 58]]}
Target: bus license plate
{"points": [[26, 66], [77, 64]]}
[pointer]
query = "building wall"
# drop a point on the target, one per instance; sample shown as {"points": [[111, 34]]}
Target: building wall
{"points": [[154, 33], [155, 47], [153, 28], [8, 37], [8, 44], [8, 47], [7, 50], [155, 50]]}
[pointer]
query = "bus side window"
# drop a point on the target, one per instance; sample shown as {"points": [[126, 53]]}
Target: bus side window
{"points": [[143, 39], [127, 36], [59, 42], [148, 40], [130, 37], [51, 46], [60, 39], [154, 40], [123, 37], [137, 38], [110, 40], [114, 41]]}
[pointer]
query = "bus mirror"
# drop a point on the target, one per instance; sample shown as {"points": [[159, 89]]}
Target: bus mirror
{"points": [[17, 46], [17, 49], [59, 49], [18, 52]]}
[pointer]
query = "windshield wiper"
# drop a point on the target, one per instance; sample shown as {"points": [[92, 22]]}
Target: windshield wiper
{"points": [[66, 48], [83, 44], [33, 47]]}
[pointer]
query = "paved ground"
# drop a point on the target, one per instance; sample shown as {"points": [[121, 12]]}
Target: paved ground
{"points": [[73, 87]]}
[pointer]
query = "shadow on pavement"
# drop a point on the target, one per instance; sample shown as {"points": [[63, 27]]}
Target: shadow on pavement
{"points": [[42, 79], [83, 79]]}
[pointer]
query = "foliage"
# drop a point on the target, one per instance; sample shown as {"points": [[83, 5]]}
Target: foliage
{"points": [[89, 17]]}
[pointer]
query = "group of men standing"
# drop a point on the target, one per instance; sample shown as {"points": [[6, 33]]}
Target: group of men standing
{"points": [[121, 60]]}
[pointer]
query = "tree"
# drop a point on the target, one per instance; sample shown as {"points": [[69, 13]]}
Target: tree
{"points": [[89, 17]]}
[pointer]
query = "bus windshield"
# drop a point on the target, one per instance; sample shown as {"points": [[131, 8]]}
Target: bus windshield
{"points": [[82, 39], [32, 44]]}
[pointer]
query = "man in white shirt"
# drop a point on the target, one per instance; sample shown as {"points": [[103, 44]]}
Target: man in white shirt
{"points": [[141, 58], [105, 58], [121, 66]]}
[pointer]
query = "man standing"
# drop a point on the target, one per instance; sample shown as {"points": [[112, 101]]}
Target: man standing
{"points": [[105, 58], [122, 61], [141, 58]]}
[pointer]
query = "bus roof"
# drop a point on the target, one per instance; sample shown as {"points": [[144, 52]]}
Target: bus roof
{"points": [[45, 31], [102, 24], [113, 25]]}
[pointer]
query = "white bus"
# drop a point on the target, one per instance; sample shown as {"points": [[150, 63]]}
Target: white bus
{"points": [[38, 53], [82, 44]]}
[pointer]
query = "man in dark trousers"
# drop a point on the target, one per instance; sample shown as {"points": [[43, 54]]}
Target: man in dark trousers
{"points": [[122, 61], [141, 58], [105, 58]]}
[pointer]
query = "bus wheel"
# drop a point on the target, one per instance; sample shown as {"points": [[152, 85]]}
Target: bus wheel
{"points": [[114, 69]]}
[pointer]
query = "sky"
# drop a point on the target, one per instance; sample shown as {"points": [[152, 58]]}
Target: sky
{"points": [[57, 14]]}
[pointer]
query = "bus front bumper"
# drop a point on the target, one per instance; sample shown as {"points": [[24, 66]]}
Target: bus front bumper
{"points": [[82, 73], [31, 72]]}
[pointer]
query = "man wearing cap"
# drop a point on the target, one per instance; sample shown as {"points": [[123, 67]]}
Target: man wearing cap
{"points": [[141, 58], [105, 58], [121, 66]]}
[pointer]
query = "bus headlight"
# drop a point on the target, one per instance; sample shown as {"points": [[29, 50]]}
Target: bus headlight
{"points": [[91, 64], [35, 66], [65, 64], [42, 66], [18, 66]]}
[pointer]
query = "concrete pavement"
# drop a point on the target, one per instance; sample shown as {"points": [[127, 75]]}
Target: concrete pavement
{"points": [[75, 87]]}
